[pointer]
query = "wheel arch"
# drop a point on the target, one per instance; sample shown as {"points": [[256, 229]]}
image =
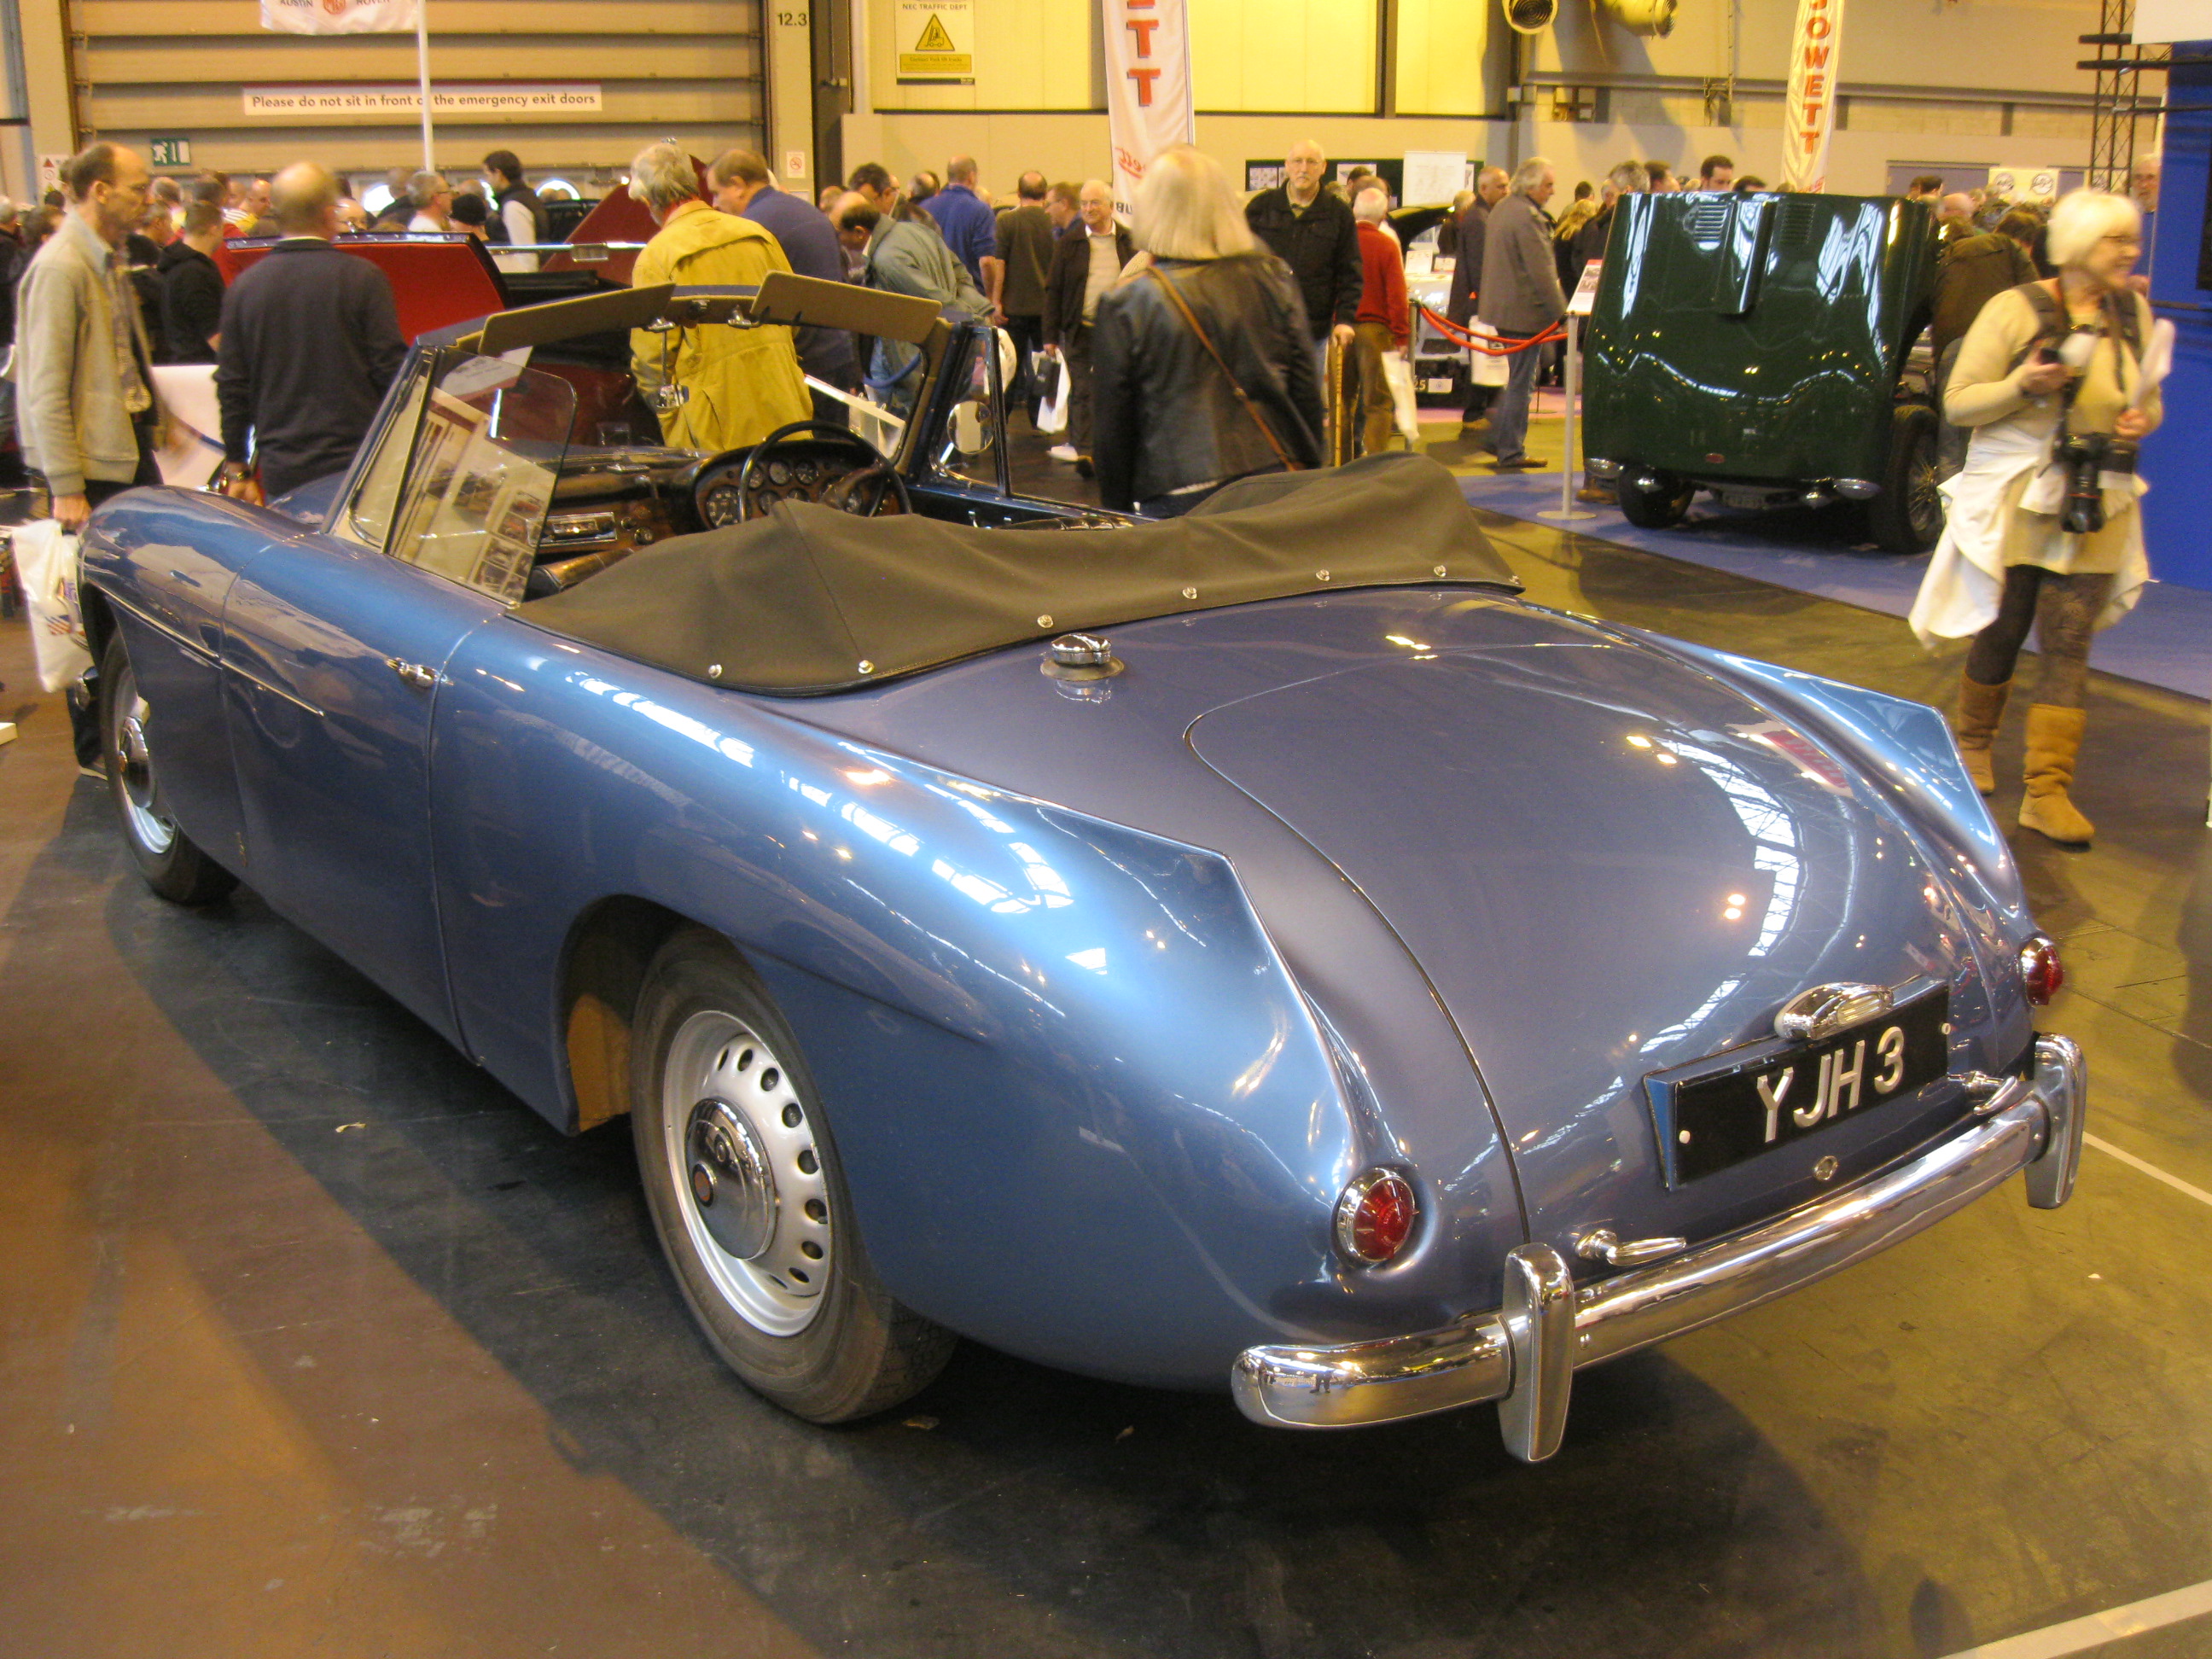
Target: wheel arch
{"points": [[98, 618], [603, 966]]}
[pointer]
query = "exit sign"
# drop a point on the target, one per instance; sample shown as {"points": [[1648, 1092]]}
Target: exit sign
{"points": [[170, 152]]}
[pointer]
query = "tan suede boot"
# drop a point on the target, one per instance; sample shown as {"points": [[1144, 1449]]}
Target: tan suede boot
{"points": [[2054, 744], [1980, 707]]}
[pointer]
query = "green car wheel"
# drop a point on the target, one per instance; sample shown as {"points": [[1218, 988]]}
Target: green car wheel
{"points": [[1653, 509], [1907, 517]]}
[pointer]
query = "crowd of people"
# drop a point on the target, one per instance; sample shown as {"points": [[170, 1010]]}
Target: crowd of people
{"points": [[1191, 345]]}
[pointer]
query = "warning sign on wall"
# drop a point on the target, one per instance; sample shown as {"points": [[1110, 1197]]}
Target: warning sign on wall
{"points": [[936, 42]]}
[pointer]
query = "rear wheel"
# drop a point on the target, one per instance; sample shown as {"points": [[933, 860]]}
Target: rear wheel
{"points": [[1662, 508], [1907, 517], [172, 865], [749, 1199]]}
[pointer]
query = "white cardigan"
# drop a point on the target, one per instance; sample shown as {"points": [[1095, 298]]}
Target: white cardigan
{"points": [[1958, 595]]}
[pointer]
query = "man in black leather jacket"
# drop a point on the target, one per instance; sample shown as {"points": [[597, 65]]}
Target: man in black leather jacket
{"points": [[1167, 424], [1311, 229], [1071, 301]]}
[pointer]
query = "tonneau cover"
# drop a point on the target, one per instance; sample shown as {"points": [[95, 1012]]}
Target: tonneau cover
{"points": [[807, 600]]}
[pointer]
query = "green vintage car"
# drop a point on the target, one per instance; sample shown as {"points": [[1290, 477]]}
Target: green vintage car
{"points": [[1761, 347]]}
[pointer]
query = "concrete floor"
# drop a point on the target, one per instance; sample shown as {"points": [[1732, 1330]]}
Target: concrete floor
{"points": [[313, 1341]]}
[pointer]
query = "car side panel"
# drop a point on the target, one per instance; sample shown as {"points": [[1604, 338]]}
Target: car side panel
{"points": [[332, 749], [1085, 1113], [166, 562]]}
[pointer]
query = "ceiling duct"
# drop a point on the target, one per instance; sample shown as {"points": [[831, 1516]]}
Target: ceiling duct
{"points": [[1531, 16], [1638, 16]]}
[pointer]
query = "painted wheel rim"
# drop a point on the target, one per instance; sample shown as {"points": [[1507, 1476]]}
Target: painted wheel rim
{"points": [[1925, 498], [135, 789], [746, 1174]]}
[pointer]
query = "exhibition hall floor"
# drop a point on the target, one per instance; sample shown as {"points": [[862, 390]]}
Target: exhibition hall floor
{"points": [[312, 1340]]}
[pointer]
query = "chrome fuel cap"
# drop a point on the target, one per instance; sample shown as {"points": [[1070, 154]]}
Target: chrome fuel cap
{"points": [[1081, 656]]}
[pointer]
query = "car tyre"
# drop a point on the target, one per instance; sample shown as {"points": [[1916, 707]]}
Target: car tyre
{"points": [[171, 863], [1907, 517], [1653, 509], [749, 1199]]}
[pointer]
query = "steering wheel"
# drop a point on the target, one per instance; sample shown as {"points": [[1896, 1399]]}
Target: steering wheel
{"points": [[874, 465]]}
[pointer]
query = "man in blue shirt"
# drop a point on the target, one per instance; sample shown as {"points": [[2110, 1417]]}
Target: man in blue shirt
{"points": [[965, 218], [742, 187]]}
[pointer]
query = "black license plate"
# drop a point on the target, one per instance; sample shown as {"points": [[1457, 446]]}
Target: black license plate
{"points": [[1716, 1121]]}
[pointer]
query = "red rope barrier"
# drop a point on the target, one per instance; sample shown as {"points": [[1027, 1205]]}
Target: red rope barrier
{"points": [[1490, 346]]}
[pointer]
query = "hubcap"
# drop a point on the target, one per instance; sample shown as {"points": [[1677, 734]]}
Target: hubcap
{"points": [[748, 1177], [136, 792], [731, 1180]]}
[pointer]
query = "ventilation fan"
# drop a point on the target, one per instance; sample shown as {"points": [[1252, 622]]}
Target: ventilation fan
{"points": [[1531, 16], [1642, 16]]}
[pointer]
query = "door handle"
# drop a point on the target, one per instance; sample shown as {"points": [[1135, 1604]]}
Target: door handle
{"points": [[423, 679]]}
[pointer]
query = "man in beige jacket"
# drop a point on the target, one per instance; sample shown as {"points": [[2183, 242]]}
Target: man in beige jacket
{"points": [[84, 389]]}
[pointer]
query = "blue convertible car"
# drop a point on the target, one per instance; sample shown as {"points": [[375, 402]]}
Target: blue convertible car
{"points": [[1257, 951]]}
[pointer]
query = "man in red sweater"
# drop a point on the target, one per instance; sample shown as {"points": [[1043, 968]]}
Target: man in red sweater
{"points": [[1383, 323]]}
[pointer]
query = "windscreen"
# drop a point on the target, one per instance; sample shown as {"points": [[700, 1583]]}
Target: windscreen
{"points": [[481, 477]]}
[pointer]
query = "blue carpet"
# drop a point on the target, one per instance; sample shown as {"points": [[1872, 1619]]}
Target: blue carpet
{"points": [[2161, 643]]}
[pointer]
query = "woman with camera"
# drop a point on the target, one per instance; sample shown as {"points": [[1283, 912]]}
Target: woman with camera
{"points": [[2042, 528]]}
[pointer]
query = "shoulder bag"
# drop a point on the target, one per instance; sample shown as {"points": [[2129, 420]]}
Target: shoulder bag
{"points": [[1244, 397]]}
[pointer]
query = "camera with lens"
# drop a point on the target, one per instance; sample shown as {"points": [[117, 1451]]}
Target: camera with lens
{"points": [[2086, 456]]}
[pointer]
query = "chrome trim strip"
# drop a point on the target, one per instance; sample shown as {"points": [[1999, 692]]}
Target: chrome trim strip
{"points": [[1520, 1356], [166, 630], [296, 700]]}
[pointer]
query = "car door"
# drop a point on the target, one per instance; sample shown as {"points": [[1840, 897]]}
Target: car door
{"points": [[334, 652]]}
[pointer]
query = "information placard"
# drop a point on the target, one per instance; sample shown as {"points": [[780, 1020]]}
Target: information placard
{"points": [[1585, 295]]}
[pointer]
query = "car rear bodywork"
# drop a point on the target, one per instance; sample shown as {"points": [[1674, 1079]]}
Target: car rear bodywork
{"points": [[1755, 339]]}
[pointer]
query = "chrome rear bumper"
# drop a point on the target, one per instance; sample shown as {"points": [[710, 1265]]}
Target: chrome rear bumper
{"points": [[1525, 1354]]}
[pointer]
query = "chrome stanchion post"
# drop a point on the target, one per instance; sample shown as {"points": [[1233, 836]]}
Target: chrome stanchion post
{"points": [[1571, 388]]}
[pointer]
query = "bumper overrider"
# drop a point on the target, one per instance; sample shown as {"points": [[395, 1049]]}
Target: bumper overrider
{"points": [[1525, 1354]]}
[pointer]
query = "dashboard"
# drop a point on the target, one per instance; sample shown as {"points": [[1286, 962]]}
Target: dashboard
{"points": [[745, 484], [609, 502]]}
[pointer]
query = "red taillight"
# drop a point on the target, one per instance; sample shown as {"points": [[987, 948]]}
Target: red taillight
{"points": [[1374, 1218], [2040, 975]]}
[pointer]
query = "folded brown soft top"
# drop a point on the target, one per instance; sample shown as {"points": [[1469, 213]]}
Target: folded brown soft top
{"points": [[807, 600]]}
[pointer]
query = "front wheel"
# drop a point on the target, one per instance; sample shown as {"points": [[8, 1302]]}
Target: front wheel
{"points": [[749, 1199], [1907, 516], [172, 865], [1662, 508]]}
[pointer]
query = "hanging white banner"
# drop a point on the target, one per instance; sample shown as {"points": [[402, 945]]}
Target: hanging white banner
{"points": [[1148, 102], [339, 16], [1809, 116]]}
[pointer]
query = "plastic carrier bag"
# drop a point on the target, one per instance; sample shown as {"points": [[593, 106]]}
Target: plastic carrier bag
{"points": [[1483, 368], [1052, 414], [46, 557], [1399, 372]]}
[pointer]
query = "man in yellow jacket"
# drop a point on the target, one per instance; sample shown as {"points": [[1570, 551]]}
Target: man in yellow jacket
{"points": [[743, 383]]}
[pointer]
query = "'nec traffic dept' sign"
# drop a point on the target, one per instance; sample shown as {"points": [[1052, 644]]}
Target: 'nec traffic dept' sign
{"points": [[937, 42]]}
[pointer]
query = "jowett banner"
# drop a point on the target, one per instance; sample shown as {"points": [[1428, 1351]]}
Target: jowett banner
{"points": [[1148, 101], [1810, 114], [339, 16]]}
